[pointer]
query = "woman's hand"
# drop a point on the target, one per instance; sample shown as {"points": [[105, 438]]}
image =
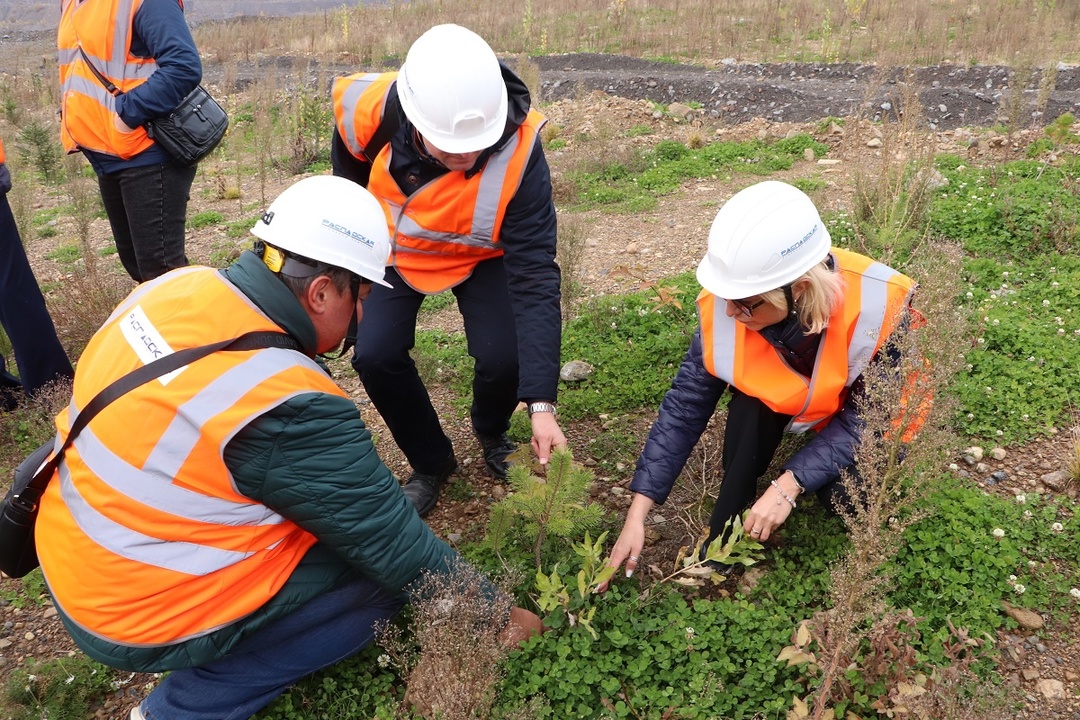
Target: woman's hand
{"points": [[632, 538], [121, 126], [771, 509]]}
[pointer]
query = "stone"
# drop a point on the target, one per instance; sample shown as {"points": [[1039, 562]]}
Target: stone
{"points": [[576, 371], [49, 613], [874, 143], [998, 453], [1027, 619], [454, 538], [999, 476], [1071, 676], [828, 161], [29, 635], [681, 111], [835, 129], [975, 453], [1056, 481], [982, 468], [1051, 689], [5, 644], [809, 155], [1030, 674]]}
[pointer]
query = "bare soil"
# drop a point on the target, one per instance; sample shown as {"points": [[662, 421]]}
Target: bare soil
{"points": [[589, 96]]}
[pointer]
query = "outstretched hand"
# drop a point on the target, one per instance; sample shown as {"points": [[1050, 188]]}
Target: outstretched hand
{"points": [[547, 436]]}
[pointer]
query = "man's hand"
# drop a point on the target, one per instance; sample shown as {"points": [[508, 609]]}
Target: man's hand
{"points": [[522, 626], [547, 435]]}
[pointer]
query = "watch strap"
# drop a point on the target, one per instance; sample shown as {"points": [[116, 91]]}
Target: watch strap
{"points": [[541, 406]]}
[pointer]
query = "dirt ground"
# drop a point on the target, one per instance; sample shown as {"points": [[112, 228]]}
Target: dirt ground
{"points": [[588, 96]]}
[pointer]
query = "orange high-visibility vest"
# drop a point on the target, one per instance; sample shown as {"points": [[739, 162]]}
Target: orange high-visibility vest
{"points": [[142, 537], [3, 155], [103, 28], [448, 226], [873, 299]]}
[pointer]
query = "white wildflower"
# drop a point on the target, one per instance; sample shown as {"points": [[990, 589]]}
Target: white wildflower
{"points": [[384, 660], [1021, 498], [1019, 589], [1075, 592], [998, 533], [1057, 527]]}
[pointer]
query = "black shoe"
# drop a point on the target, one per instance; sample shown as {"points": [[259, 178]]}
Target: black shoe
{"points": [[423, 489], [496, 449]]}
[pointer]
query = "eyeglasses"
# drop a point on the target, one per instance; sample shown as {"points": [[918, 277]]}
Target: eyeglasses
{"points": [[355, 283], [747, 310]]}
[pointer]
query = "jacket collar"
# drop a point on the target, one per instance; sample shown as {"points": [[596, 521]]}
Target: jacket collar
{"points": [[251, 276]]}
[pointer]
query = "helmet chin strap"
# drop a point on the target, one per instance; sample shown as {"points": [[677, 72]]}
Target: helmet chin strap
{"points": [[350, 340], [790, 298]]}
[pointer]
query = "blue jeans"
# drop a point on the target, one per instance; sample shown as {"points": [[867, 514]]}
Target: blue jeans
{"points": [[328, 629], [147, 209]]}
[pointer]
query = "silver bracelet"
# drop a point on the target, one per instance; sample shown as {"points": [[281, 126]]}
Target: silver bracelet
{"points": [[791, 500]]}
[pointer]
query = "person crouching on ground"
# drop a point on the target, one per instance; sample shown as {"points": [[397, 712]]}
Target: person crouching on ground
{"points": [[232, 522], [788, 324]]}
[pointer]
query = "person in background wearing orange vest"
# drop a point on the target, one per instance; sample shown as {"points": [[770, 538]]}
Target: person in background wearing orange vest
{"points": [[231, 521], [451, 148], [145, 49], [39, 355], [788, 324]]}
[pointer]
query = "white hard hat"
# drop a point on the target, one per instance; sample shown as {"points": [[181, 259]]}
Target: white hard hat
{"points": [[452, 90], [330, 220], [763, 238]]}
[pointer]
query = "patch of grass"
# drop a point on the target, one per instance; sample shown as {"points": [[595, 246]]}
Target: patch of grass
{"points": [[639, 131], [205, 219], [437, 303], [66, 254], [622, 187], [635, 343]]}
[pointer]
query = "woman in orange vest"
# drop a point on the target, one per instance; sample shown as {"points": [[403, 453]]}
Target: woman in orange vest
{"points": [[145, 49], [39, 355], [788, 324]]}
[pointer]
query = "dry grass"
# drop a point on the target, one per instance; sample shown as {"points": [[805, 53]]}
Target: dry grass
{"points": [[919, 32]]}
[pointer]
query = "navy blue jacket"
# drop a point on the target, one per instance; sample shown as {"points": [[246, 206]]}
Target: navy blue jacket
{"points": [[691, 401], [527, 235], [160, 32]]}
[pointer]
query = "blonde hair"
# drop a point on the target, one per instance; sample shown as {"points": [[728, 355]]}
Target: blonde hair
{"points": [[824, 290]]}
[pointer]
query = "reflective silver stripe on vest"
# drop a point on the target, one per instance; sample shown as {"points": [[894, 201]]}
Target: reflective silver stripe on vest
{"points": [[350, 99], [485, 211], [875, 300], [188, 558], [91, 88], [116, 67], [184, 431], [724, 342]]}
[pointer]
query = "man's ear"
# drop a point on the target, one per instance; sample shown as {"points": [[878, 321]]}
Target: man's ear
{"points": [[317, 294]]}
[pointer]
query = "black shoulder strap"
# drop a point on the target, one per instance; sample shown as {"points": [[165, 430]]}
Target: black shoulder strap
{"points": [[143, 375], [113, 90]]}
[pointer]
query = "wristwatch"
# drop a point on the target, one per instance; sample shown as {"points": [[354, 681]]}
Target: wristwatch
{"points": [[541, 406]]}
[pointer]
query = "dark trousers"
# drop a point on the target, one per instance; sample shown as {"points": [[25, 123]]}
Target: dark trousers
{"points": [[751, 436], [147, 209], [387, 334], [38, 354]]}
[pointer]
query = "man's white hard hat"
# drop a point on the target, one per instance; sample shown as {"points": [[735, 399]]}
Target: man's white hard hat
{"points": [[765, 237], [330, 220], [452, 90]]}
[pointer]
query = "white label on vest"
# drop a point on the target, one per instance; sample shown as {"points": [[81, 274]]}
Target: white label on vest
{"points": [[146, 341]]}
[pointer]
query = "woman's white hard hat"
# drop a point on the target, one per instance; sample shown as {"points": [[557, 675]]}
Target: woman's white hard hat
{"points": [[765, 237], [331, 220], [452, 90]]}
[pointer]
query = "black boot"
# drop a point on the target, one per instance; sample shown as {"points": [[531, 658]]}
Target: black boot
{"points": [[423, 489], [496, 449]]}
